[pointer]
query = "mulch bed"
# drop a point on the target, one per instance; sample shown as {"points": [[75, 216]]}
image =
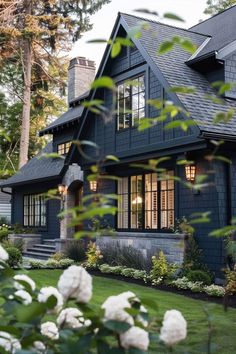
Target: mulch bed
{"points": [[227, 302]]}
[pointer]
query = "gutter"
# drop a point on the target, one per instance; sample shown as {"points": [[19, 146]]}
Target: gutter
{"points": [[220, 136], [5, 192]]}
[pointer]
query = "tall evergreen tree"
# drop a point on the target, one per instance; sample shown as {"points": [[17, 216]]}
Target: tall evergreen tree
{"points": [[31, 32], [216, 6]]}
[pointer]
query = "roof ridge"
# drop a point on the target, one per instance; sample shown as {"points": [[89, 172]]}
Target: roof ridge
{"points": [[165, 24], [209, 18]]}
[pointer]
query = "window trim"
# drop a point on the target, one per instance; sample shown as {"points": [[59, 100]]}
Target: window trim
{"points": [[143, 229], [40, 226], [64, 145], [142, 73]]}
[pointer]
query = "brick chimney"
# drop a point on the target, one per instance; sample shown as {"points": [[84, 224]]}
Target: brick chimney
{"points": [[81, 73]]}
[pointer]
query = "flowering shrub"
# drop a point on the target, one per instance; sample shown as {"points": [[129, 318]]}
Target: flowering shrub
{"points": [[51, 263], [94, 256], [230, 282], [159, 266], [212, 290], [119, 327], [215, 290]]}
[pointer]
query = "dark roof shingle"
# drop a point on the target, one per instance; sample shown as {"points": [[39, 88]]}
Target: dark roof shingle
{"points": [[220, 27], [72, 114], [37, 168], [177, 73]]}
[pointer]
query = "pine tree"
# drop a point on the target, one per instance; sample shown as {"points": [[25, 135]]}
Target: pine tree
{"points": [[216, 6], [34, 32]]}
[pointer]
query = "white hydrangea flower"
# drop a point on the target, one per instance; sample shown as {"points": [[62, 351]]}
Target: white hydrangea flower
{"points": [[76, 283], [9, 343], [50, 330], [135, 337], [39, 347], [48, 291], [70, 317], [140, 318], [25, 296], [128, 295], [174, 328], [114, 307], [3, 254], [26, 279]]}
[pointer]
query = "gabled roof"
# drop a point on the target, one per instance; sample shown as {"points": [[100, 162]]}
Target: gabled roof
{"points": [[171, 70], [74, 113], [221, 28], [37, 169]]}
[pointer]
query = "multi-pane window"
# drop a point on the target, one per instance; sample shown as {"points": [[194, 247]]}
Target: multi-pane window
{"points": [[130, 102], [34, 210], [146, 202], [63, 149]]}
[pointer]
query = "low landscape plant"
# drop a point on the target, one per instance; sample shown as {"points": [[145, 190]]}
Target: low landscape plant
{"points": [[76, 250], [15, 256], [94, 256], [199, 276]]}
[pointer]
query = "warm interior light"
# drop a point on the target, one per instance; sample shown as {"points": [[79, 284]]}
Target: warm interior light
{"points": [[190, 173], [137, 200], [62, 189], [93, 186]]}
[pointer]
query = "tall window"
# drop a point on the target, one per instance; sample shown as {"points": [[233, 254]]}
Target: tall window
{"points": [[63, 149], [130, 103], [146, 202], [34, 210]]}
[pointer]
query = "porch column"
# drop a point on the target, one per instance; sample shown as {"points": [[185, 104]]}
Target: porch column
{"points": [[65, 230]]}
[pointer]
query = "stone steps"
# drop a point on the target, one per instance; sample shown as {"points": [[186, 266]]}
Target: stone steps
{"points": [[41, 251]]}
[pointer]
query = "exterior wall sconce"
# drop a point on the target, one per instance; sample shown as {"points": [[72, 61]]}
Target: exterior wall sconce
{"points": [[93, 185], [190, 173], [62, 189]]}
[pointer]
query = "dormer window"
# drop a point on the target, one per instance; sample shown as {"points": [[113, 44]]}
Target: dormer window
{"points": [[130, 102], [63, 149]]}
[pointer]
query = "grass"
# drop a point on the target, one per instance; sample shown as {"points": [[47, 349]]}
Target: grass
{"points": [[224, 323]]}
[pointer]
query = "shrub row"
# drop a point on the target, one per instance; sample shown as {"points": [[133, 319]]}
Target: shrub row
{"points": [[181, 283], [51, 263]]}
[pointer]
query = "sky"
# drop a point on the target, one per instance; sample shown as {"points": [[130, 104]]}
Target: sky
{"points": [[103, 21]]}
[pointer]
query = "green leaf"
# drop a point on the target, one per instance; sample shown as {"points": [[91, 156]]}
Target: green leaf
{"points": [[165, 47], [99, 40], [225, 231], [117, 326], [112, 157], [103, 81], [182, 89], [146, 11], [172, 16], [188, 46], [116, 49], [29, 314], [150, 303]]}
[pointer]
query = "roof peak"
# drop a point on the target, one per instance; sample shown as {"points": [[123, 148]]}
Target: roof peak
{"points": [[210, 18], [164, 24]]}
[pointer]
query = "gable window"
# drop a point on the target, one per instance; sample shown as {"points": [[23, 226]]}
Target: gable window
{"points": [[130, 102], [146, 202], [34, 210], [63, 149]]}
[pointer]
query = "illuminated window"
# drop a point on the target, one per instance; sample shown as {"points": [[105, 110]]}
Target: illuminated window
{"points": [[130, 102], [34, 210], [63, 149], [146, 202]]}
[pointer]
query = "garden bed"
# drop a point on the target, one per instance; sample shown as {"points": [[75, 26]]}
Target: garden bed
{"points": [[229, 301]]}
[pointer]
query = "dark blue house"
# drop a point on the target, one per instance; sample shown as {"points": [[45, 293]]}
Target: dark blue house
{"points": [[148, 206]]}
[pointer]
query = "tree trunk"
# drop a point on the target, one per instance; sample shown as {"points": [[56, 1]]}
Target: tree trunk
{"points": [[27, 66]]}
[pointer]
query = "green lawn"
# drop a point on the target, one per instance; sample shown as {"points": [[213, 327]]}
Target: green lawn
{"points": [[224, 323]]}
